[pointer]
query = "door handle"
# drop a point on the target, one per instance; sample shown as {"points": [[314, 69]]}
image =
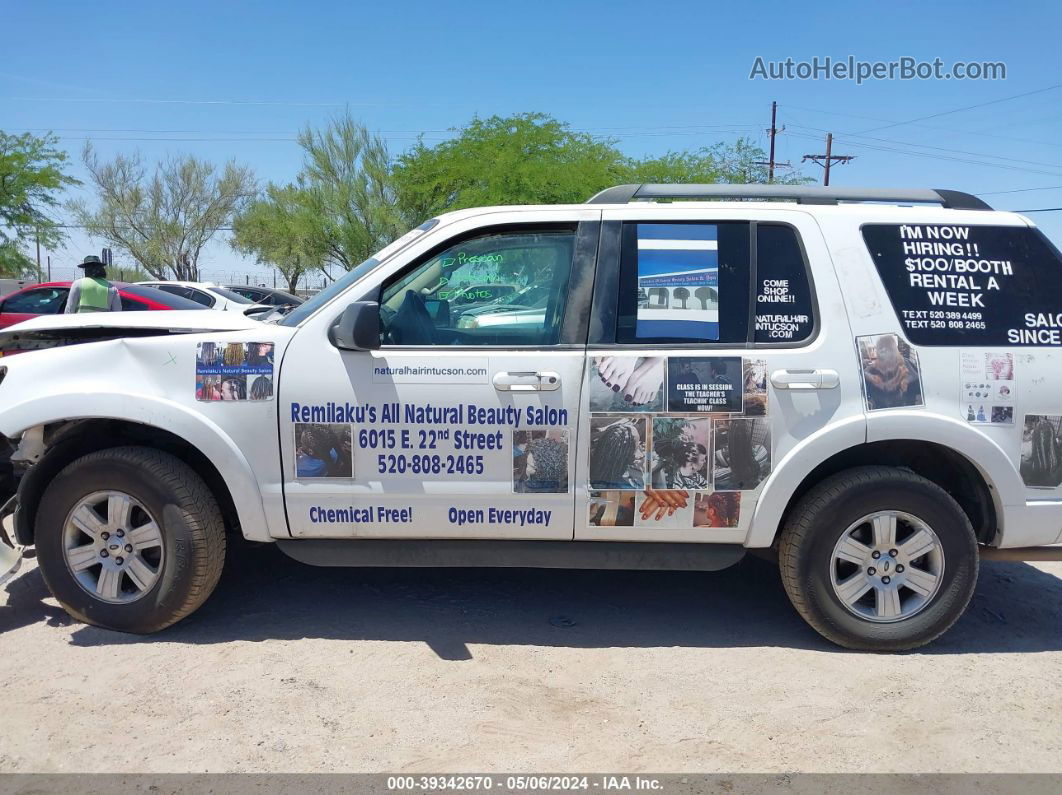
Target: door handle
{"points": [[805, 379], [526, 381]]}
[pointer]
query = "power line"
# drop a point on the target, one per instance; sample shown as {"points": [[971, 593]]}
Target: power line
{"points": [[1018, 190], [828, 159], [939, 148], [981, 133], [960, 110], [1042, 210], [194, 101], [910, 153]]}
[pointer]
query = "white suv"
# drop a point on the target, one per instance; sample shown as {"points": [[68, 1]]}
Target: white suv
{"points": [[864, 381]]}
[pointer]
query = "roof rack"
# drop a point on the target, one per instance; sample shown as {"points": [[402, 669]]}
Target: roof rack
{"points": [[802, 194]]}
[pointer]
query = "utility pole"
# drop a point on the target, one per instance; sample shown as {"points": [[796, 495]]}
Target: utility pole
{"points": [[774, 131], [49, 267], [772, 164], [37, 239], [828, 159]]}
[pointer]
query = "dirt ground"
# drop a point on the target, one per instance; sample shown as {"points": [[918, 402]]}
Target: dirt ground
{"points": [[296, 669]]}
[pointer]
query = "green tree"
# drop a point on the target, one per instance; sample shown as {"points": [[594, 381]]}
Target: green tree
{"points": [[31, 177], [529, 158], [163, 221], [742, 162], [282, 230], [346, 186]]}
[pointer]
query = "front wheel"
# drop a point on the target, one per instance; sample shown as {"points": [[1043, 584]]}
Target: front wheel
{"points": [[879, 559], [130, 539]]}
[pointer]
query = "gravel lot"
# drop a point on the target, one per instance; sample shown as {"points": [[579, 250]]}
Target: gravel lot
{"points": [[297, 669]]}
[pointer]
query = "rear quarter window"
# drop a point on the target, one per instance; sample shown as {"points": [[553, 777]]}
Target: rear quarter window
{"points": [[968, 285]]}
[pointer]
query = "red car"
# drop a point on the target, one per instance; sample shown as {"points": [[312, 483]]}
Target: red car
{"points": [[50, 299]]}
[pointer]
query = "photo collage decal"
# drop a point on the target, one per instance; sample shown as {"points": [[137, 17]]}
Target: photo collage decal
{"points": [[540, 461], [234, 371], [987, 388], [674, 441]]}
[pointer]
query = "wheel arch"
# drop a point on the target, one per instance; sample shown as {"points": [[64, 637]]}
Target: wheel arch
{"points": [[963, 461], [116, 420]]}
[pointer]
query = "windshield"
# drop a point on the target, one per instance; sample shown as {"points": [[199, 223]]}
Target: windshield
{"points": [[236, 298], [311, 305]]}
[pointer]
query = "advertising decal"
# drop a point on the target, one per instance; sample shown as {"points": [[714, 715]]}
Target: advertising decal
{"points": [[684, 467], [987, 387], [1041, 451], [678, 281], [234, 371], [891, 375], [962, 285]]}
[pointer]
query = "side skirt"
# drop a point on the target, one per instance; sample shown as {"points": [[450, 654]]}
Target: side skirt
{"points": [[430, 553]]}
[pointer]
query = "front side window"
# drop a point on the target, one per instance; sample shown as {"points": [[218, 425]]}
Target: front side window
{"points": [[46, 301], [504, 288], [683, 283], [958, 284]]}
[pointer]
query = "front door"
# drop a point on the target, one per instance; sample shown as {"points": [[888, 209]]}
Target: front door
{"points": [[708, 364], [464, 423]]}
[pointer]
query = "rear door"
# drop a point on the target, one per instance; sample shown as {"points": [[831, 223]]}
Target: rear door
{"points": [[710, 360]]}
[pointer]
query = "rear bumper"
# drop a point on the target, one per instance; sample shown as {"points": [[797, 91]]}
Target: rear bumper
{"points": [[10, 551]]}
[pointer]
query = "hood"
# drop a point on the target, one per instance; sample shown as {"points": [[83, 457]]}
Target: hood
{"points": [[176, 320], [49, 331]]}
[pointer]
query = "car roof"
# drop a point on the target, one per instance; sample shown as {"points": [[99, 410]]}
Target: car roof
{"points": [[260, 288], [179, 282]]}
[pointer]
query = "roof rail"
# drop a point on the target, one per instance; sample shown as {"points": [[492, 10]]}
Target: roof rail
{"points": [[802, 194]]}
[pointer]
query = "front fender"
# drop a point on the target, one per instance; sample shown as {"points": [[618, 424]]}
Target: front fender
{"points": [[195, 428]]}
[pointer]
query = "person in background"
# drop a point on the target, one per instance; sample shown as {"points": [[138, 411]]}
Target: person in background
{"points": [[92, 292]]}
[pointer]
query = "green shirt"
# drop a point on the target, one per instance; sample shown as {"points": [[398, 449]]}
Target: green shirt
{"points": [[93, 294]]}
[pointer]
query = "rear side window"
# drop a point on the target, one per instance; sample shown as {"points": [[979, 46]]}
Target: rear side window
{"points": [[784, 306], [198, 296], [970, 285], [132, 304], [683, 282]]}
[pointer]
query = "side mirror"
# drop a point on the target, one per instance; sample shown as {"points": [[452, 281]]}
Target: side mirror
{"points": [[358, 328]]}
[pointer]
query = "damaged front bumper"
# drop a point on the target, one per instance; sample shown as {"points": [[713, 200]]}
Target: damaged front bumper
{"points": [[10, 551]]}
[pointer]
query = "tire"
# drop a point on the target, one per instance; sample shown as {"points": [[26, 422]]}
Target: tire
{"points": [[173, 522], [814, 578]]}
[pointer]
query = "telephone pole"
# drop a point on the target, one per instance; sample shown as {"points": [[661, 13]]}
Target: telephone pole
{"points": [[774, 131], [771, 163], [828, 159]]}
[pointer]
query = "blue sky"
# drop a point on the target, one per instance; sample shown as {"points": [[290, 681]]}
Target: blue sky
{"points": [[238, 80]]}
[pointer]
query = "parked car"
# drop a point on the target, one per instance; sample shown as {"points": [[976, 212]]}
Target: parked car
{"points": [[267, 296], [50, 299], [528, 306], [210, 295], [873, 398]]}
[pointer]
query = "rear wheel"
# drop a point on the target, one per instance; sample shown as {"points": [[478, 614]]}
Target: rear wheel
{"points": [[130, 539], [878, 558]]}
